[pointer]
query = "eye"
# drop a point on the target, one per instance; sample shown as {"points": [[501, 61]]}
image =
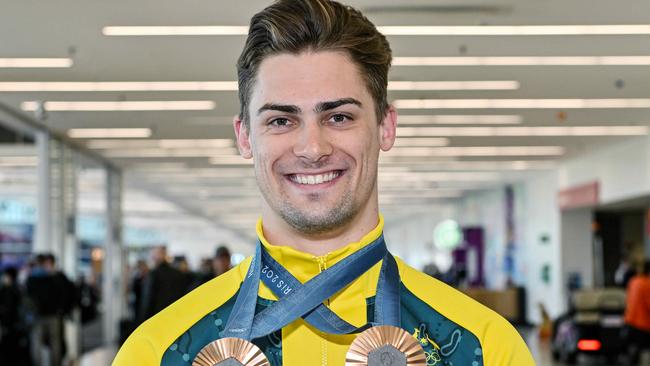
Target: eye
{"points": [[279, 122], [339, 118]]}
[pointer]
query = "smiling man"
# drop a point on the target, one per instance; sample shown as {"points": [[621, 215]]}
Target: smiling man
{"points": [[321, 287]]}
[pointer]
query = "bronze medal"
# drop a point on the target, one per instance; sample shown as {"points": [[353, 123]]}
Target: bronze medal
{"points": [[230, 352], [385, 345]]}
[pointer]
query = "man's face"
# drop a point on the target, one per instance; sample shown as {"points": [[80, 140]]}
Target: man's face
{"points": [[315, 139]]}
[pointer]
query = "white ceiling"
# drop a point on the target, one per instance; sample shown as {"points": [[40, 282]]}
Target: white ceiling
{"points": [[73, 28]]}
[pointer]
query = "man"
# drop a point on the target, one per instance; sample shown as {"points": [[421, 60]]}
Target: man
{"points": [[637, 312], [162, 286], [221, 261], [52, 296], [314, 116]]}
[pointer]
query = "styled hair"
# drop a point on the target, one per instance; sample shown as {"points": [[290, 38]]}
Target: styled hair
{"points": [[295, 26]]}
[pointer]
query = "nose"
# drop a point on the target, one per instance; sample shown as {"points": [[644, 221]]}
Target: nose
{"points": [[313, 142]]}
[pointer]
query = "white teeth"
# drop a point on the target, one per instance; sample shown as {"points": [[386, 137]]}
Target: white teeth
{"points": [[314, 179]]}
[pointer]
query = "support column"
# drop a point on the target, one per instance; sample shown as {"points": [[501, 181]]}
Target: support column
{"points": [[113, 274], [42, 241]]}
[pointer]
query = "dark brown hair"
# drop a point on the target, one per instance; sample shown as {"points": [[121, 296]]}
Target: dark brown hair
{"points": [[295, 26]]}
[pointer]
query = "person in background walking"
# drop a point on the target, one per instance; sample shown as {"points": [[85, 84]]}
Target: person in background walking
{"points": [[14, 345], [52, 296], [637, 313], [163, 285]]}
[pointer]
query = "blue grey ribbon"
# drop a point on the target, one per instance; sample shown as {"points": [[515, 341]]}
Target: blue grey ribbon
{"points": [[306, 300]]}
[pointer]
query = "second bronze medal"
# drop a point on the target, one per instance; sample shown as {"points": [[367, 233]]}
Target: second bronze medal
{"points": [[385, 346], [230, 352]]}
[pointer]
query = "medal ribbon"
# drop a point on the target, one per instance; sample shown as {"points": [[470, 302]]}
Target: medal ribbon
{"points": [[306, 300]]}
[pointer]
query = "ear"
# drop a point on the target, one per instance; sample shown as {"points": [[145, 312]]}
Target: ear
{"points": [[388, 129], [243, 138]]}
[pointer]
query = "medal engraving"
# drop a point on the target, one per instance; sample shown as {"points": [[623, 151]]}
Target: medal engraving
{"points": [[229, 362], [385, 346], [386, 356], [231, 352]]}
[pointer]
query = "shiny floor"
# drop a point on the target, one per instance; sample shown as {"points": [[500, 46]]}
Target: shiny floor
{"points": [[540, 350]]}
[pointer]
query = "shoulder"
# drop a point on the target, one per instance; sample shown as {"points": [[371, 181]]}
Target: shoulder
{"points": [[147, 344], [501, 343]]}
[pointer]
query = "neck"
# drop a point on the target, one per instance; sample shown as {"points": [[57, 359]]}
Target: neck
{"points": [[278, 232]]}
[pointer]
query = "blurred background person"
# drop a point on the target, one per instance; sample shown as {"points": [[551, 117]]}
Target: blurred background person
{"points": [[624, 272], [180, 263], [221, 262], [136, 286], [14, 345], [162, 286], [637, 313], [52, 296]]}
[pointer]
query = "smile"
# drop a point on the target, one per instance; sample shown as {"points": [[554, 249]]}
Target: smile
{"points": [[311, 179]]}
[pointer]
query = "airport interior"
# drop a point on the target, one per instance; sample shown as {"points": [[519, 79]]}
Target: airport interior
{"points": [[520, 173]]}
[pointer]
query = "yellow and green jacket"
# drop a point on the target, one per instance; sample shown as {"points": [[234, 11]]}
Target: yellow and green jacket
{"points": [[452, 328]]}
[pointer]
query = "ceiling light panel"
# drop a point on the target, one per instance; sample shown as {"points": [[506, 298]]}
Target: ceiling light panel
{"points": [[153, 86], [167, 153], [458, 30], [90, 133], [177, 105], [452, 85], [477, 151], [522, 103], [524, 61], [516, 30], [208, 30], [421, 141], [35, 62], [118, 86], [523, 131], [460, 119], [165, 143]]}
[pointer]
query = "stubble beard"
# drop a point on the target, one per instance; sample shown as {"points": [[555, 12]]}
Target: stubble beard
{"points": [[310, 223]]}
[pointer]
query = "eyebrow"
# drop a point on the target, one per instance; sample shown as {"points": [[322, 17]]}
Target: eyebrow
{"points": [[291, 109], [329, 105], [320, 107]]}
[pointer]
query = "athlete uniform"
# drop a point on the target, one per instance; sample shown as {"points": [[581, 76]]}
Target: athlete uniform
{"points": [[452, 328]]}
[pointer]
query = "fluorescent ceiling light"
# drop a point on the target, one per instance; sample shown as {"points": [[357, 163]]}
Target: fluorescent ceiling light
{"points": [[524, 131], [421, 141], [479, 151], [461, 119], [419, 194], [157, 166], [167, 153], [89, 133], [210, 173], [230, 160], [453, 85], [126, 86], [467, 165], [164, 143], [18, 161], [523, 61], [440, 176], [458, 30], [117, 86], [35, 62], [170, 105], [205, 30], [515, 30], [521, 103]]}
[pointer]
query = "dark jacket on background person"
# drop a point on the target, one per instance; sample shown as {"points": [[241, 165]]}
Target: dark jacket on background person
{"points": [[163, 285], [13, 337]]}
